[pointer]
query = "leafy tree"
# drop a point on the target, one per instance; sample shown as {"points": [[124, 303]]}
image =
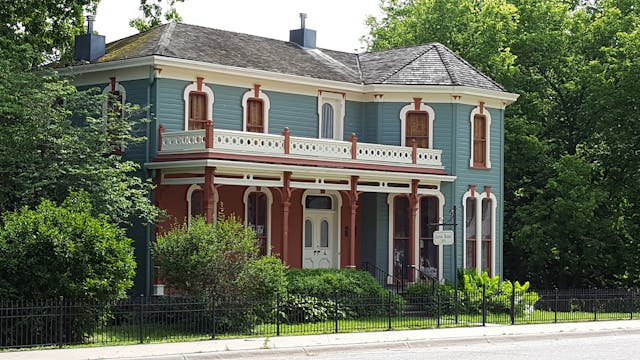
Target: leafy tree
{"points": [[575, 65], [43, 154], [47, 25], [152, 14], [51, 250]]}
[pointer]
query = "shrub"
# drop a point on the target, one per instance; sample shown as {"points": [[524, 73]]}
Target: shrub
{"points": [[221, 261], [296, 309], [54, 251], [358, 291]]}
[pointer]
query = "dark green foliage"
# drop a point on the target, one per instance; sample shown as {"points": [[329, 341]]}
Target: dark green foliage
{"points": [[350, 287], [53, 251], [571, 143], [61, 251], [221, 262], [296, 309]]}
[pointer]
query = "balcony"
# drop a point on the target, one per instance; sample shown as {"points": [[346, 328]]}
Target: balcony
{"points": [[287, 146]]}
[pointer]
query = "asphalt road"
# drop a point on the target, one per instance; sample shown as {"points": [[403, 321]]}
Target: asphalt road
{"points": [[609, 345]]}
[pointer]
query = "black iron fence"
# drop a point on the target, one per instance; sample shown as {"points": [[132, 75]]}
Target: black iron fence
{"points": [[63, 322]]}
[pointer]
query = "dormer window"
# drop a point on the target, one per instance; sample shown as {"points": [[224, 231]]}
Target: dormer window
{"points": [[416, 123], [330, 115], [480, 138], [255, 111], [198, 105]]}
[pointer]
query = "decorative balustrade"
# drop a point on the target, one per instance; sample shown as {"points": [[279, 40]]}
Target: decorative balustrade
{"points": [[287, 145]]}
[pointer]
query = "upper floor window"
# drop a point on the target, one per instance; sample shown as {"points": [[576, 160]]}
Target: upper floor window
{"points": [[328, 121], [198, 102], [114, 103], [480, 138], [417, 129], [255, 111], [416, 123], [330, 115]]}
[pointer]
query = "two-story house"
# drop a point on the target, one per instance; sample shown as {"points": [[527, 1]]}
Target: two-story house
{"points": [[334, 158]]}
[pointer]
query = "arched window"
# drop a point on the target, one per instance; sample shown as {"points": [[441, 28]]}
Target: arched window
{"points": [[195, 202], [470, 233], [198, 105], [258, 216], [115, 101], [416, 123], [429, 252], [255, 111], [480, 230], [400, 236], [330, 115], [326, 128], [480, 121]]}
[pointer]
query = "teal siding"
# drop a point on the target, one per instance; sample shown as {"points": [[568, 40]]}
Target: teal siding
{"points": [[389, 124], [170, 103], [370, 123], [353, 120], [297, 112], [227, 106]]}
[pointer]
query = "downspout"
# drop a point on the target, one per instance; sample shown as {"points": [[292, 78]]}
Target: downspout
{"points": [[147, 157]]}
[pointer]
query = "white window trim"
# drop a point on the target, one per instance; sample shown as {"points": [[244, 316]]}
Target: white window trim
{"points": [[190, 191], [494, 205], [485, 112], [336, 210], [185, 96], [266, 106], [494, 208], [107, 90], [403, 121], [338, 103], [416, 250], [269, 196]]}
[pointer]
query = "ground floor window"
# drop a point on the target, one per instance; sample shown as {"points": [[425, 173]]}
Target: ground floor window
{"points": [[257, 217], [470, 233], [479, 230], [487, 220], [429, 209], [400, 236]]}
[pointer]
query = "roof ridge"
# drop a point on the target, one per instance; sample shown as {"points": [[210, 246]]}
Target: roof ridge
{"points": [[385, 78], [359, 66], [475, 69], [165, 38], [446, 66]]}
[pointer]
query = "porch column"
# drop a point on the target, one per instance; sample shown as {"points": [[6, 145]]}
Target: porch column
{"points": [[286, 205], [413, 207], [209, 193], [353, 199]]}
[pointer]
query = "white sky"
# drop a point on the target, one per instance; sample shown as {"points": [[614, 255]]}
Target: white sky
{"points": [[339, 23]]}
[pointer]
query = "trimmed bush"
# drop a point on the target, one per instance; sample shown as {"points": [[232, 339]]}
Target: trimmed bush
{"points": [[357, 291]]}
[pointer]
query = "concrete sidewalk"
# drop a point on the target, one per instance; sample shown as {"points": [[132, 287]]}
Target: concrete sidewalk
{"points": [[255, 347]]}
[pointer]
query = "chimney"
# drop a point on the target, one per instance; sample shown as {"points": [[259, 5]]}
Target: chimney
{"points": [[304, 37], [89, 47]]}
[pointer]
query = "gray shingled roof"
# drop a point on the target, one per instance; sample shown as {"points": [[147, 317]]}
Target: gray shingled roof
{"points": [[429, 64]]}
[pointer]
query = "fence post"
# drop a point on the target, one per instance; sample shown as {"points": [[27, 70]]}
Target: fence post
{"points": [[141, 319], [278, 313], [484, 304], [631, 307], [60, 320], [389, 311], [213, 316], [335, 312], [513, 303], [555, 308], [438, 306], [595, 304]]}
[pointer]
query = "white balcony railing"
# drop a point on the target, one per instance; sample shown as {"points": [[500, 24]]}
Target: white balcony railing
{"points": [[287, 146]]}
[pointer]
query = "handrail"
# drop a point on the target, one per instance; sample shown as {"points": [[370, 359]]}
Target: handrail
{"points": [[382, 276]]}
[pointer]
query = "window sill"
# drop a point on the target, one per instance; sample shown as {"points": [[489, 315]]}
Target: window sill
{"points": [[480, 167]]}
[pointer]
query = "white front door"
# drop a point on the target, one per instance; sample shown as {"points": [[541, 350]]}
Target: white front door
{"points": [[320, 243]]}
